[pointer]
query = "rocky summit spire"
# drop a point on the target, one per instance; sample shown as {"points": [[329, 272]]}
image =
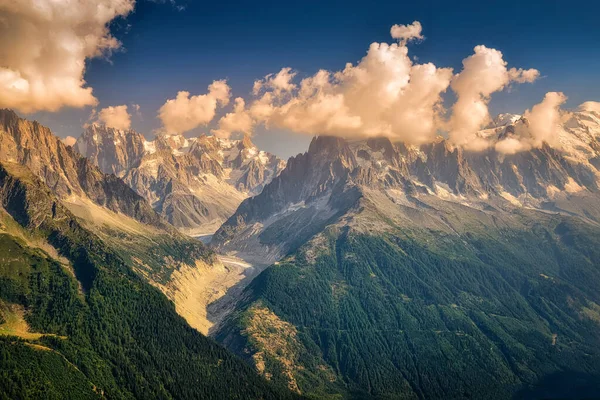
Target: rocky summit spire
{"points": [[193, 183], [246, 142]]}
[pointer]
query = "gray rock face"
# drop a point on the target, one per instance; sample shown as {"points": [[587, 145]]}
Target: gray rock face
{"points": [[336, 176], [49, 188], [114, 151], [64, 171], [196, 184]]}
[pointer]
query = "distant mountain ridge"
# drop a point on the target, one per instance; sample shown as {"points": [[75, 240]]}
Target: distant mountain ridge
{"points": [[196, 184], [66, 172], [333, 169]]}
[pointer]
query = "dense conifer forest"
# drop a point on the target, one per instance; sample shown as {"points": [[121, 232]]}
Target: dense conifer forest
{"points": [[410, 315], [82, 324]]}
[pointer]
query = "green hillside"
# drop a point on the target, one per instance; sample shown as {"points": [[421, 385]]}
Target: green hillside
{"points": [[105, 333], [414, 313]]}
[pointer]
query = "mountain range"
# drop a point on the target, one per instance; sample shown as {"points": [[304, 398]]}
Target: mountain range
{"points": [[335, 175], [360, 269], [195, 184], [425, 272]]}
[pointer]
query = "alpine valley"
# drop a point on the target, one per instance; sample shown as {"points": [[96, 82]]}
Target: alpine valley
{"points": [[251, 200], [81, 257], [360, 269]]}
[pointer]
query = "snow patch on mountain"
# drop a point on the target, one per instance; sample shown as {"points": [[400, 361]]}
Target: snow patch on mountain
{"points": [[193, 182], [337, 179]]}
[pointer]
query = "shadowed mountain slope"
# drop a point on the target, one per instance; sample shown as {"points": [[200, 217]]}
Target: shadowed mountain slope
{"points": [[431, 272], [78, 317]]}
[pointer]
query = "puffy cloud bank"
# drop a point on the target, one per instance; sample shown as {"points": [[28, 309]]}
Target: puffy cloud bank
{"points": [[544, 119], [115, 117], [483, 73], [389, 94], [44, 45], [540, 125], [385, 94], [237, 121], [186, 112]]}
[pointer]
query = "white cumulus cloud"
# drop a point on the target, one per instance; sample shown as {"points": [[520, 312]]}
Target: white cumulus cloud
{"points": [[406, 33], [238, 121], [387, 93], [115, 117], [384, 94], [44, 45], [69, 140], [483, 73], [544, 119], [523, 75], [186, 112], [543, 124]]}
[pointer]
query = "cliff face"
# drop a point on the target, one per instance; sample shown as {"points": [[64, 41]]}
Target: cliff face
{"points": [[335, 175], [64, 171], [196, 184], [112, 150]]}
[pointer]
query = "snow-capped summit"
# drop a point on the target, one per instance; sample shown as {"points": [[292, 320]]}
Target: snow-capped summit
{"points": [[341, 177], [504, 120], [196, 183]]}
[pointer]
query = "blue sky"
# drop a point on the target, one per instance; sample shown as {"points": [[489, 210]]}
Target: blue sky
{"points": [[166, 50]]}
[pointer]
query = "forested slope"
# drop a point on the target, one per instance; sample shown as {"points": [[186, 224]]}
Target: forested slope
{"points": [[77, 322], [415, 313]]}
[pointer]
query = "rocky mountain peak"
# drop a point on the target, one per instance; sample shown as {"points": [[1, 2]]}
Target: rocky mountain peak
{"points": [[191, 181], [504, 120], [334, 172], [8, 117], [113, 150], [246, 143], [101, 133], [176, 143], [383, 145], [65, 172], [328, 146], [210, 146]]}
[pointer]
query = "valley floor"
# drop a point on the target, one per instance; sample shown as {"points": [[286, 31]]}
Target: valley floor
{"points": [[218, 309], [206, 294]]}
